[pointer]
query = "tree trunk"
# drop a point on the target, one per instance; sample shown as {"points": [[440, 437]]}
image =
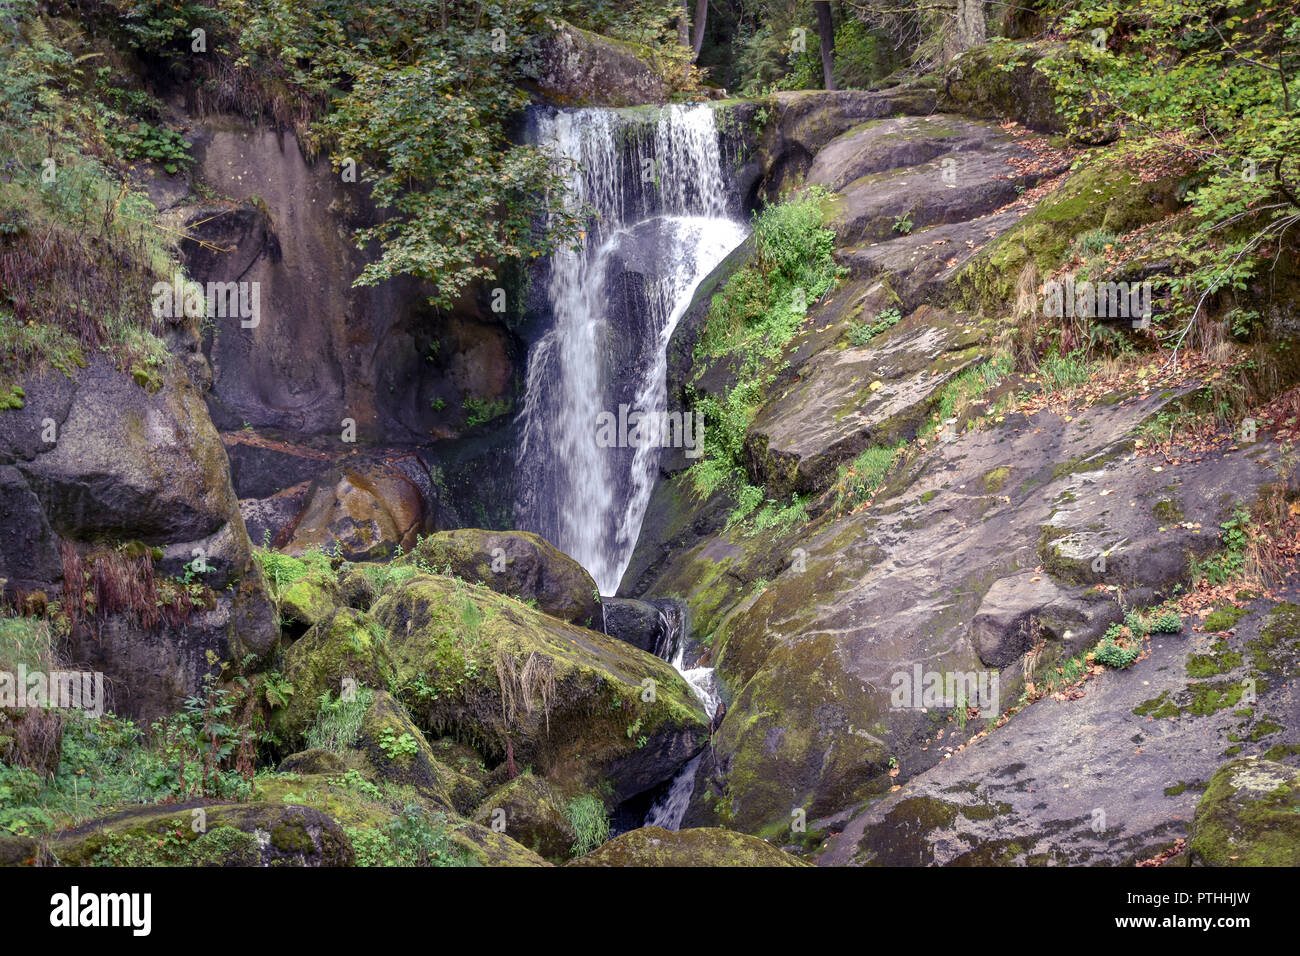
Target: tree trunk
{"points": [[684, 24], [701, 16], [972, 28], [826, 30]]}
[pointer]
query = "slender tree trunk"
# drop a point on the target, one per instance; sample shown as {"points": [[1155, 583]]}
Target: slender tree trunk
{"points": [[826, 30], [684, 24], [701, 17], [972, 27]]}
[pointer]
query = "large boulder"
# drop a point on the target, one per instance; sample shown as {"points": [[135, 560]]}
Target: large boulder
{"points": [[340, 655], [118, 480], [140, 462], [804, 121], [242, 834], [1001, 80], [636, 622], [707, 846], [527, 811], [575, 67], [518, 563], [581, 708], [367, 512]]}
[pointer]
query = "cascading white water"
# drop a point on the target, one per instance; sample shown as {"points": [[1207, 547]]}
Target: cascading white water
{"points": [[669, 809], [660, 213]]}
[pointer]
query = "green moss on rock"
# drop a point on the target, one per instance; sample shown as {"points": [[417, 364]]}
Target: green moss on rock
{"points": [[653, 846], [1249, 816]]}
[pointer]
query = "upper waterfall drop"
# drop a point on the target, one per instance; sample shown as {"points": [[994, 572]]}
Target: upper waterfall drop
{"points": [[660, 222]]}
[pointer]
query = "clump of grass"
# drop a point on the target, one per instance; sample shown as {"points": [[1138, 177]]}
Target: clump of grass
{"points": [[338, 722], [859, 480], [1094, 241], [1061, 372], [970, 386], [590, 821]]}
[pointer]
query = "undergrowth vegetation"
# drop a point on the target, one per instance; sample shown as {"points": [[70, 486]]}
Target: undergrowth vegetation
{"points": [[754, 317]]}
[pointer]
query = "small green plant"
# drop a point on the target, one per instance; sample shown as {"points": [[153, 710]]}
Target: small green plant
{"points": [[1116, 649], [903, 223], [479, 411], [885, 320], [396, 747], [1095, 241], [1167, 622], [154, 143], [1228, 563], [590, 821]]}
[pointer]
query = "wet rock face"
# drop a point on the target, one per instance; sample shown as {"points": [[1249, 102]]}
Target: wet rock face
{"points": [[1117, 773], [323, 351], [636, 622]]}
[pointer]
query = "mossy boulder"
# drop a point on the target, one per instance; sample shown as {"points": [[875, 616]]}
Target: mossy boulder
{"points": [[575, 67], [527, 811], [392, 749], [1000, 80], [347, 646], [314, 760], [358, 589], [17, 850], [204, 833], [1104, 196], [522, 687], [467, 778], [523, 565], [311, 599], [1249, 816], [378, 819], [705, 846]]}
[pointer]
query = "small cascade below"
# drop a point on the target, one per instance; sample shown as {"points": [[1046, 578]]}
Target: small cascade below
{"points": [[660, 223], [669, 809]]}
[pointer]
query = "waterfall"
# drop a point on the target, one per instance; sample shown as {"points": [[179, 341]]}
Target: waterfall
{"points": [[659, 223], [669, 810]]}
